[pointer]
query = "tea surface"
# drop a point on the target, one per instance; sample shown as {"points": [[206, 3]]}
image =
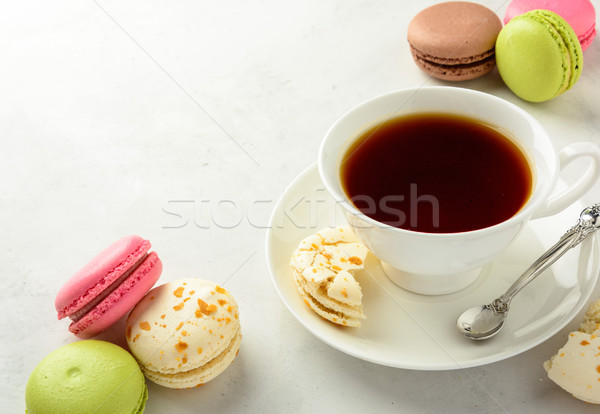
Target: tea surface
{"points": [[436, 173]]}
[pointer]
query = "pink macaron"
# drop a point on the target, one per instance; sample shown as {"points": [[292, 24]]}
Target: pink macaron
{"points": [[580, 15], [108, 286]]}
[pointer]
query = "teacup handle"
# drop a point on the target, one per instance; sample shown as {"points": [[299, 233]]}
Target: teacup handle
{"points": [[565, 198]]}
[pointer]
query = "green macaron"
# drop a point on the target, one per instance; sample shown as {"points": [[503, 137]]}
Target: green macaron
{"points": [[538, 55], [86, 377]]}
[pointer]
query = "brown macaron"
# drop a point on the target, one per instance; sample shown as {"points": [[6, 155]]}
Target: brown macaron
{"points": [[454, 40]]}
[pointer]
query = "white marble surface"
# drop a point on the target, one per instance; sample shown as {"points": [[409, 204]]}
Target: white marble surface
{"points": [[183, 122]]}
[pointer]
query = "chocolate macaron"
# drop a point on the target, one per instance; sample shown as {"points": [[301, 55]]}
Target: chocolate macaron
{"points": [[454, 40]]}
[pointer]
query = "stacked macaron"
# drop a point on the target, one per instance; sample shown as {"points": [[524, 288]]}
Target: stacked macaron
{"points": [[538, 52], [538, 55], [182, 334], [579, 14]]}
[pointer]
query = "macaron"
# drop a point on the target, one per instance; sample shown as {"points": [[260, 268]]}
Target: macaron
{"points": [[324, 266], [184, 333], [538, 55], [454, 40], [591, 320], [575, 367], [108, 286], [86, 377], [580, 14]]}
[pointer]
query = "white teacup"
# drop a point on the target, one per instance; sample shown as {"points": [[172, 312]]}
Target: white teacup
{"points": [[439, 263]]}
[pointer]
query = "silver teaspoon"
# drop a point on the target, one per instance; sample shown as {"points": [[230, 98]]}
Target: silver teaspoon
{"points": [[483, 322]]}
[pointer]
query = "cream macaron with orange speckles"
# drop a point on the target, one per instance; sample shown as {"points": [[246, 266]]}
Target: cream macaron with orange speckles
{"points": [[323, 267], [576, 366], [184, 333]]}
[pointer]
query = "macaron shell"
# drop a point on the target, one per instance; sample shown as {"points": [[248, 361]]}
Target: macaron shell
{"points": [[537, 56], [181, 326], [454, 31], [86, 377], [99, 273], [575, 367], [580, 14], [201, 375], [121, 300]]}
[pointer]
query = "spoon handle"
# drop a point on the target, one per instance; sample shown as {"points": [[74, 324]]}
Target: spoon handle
{"points": [[589, 221]]}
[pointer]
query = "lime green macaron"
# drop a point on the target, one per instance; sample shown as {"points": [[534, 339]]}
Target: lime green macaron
{"points": [[538, 55], [86, 377]]}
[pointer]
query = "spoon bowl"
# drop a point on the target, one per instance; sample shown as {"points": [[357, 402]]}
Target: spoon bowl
{"points": [[480, 322]]}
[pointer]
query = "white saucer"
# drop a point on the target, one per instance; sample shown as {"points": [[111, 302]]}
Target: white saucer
{"points": [[408, 330]]}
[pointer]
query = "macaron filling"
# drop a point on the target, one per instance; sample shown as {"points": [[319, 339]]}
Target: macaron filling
{"points": [[76, 316], [142, 401], [560, 41], [198, 371], [457, 65]]}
